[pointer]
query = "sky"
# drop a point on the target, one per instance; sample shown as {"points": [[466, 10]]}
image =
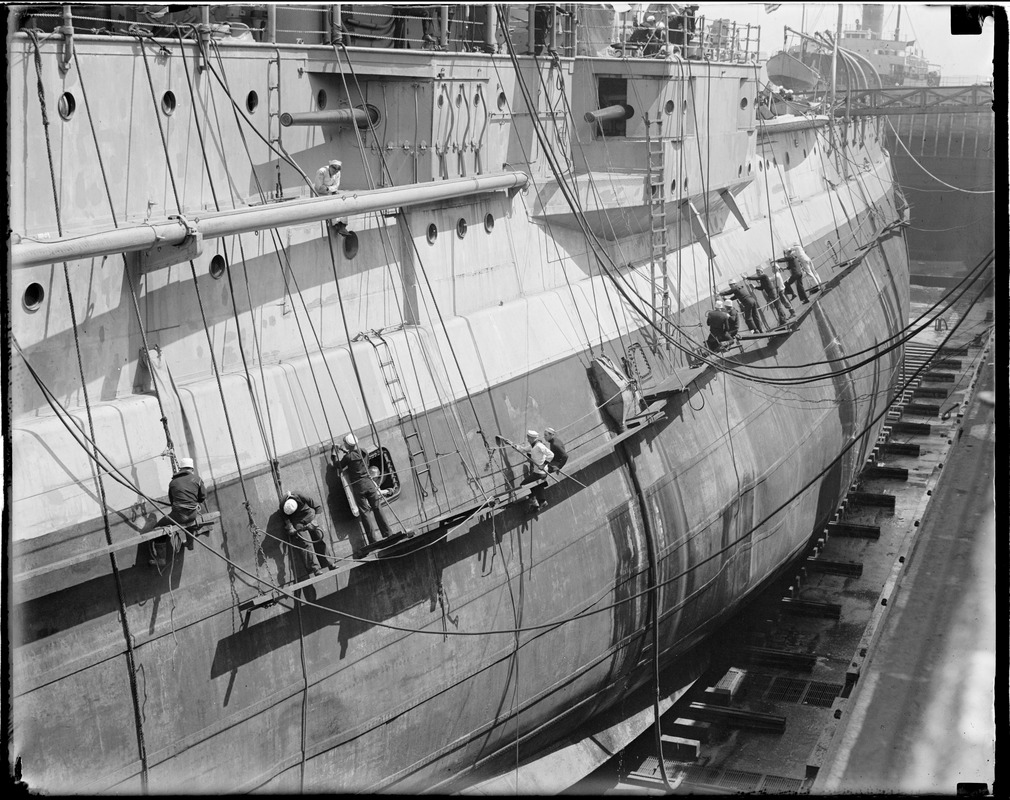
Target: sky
{"points": [[927, 23]]}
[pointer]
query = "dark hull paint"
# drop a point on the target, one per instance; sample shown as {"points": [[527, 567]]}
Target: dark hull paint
{"points": [[292, 699]]}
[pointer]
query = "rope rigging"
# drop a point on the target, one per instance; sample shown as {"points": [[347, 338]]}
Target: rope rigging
{"points": [[897, 138], [117, 577], [593, 608]]}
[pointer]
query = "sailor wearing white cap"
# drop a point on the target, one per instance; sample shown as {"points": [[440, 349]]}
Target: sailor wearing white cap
{"points": [[299, 514], [328, 178], [185, 493], [539, 454]]}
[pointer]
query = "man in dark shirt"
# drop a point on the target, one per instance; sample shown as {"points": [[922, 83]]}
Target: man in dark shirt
{"points": [[718, 327], [795, 274], [185, 492], [558, 448], [299, 514], [742, 293], [770, 289], [366, 492]]}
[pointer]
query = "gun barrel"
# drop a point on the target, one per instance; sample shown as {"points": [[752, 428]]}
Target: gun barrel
{"points": [[340, 116], [619, 111]]}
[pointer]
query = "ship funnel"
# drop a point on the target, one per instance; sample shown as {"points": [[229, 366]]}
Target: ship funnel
{"points": [[873, 19]]}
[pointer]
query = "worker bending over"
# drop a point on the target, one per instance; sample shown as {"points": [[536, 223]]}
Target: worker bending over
{"points": [[299, 514], [559, 454], [366, 491], [718, 327], [539, 455], [328, 178]]}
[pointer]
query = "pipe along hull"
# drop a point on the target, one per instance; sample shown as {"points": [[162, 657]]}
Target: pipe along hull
{"points": [[297, 697]]}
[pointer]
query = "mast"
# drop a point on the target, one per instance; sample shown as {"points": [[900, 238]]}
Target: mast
{"points": [[834, 61], [897, 27]]}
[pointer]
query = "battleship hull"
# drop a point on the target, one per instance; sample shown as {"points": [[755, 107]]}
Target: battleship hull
{"points": [[501, 631]]}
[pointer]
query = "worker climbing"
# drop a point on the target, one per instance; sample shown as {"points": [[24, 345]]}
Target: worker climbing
{"points": [[299, 512], [795, 273]]}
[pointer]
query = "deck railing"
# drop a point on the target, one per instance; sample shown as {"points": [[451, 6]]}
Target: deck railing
{"points": [[533, 28]]}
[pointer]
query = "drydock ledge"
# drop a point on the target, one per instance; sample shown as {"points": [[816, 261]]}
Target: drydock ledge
{"points": [[893, 693]]}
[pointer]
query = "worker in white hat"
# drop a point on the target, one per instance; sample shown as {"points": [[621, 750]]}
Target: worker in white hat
{"points": [[328, 178], [185, 492], [539, 455], [299, 514], [367, 493]]}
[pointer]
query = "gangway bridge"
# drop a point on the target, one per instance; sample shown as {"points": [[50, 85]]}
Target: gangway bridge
{"points": [[902, 100]]}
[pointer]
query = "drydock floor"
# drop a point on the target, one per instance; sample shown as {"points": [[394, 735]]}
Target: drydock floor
{"points": [[871, 666]]}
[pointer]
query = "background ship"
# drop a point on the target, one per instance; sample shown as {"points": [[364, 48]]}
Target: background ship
{"points": [[533, 222], [943, 162]]}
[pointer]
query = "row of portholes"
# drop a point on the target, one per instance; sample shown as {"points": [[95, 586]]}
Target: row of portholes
{"points": [[431, 234], [67, 104]]}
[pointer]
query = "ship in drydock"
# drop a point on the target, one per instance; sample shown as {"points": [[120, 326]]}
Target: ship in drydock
{"points": [[279, 272]]}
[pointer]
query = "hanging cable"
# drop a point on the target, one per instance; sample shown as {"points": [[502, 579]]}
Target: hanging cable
{"points": [[117, 577], [919, 165]]}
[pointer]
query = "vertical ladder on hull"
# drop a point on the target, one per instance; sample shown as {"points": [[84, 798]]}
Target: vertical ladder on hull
{"points": [[419, 466], [274, 109], [657, 225]]}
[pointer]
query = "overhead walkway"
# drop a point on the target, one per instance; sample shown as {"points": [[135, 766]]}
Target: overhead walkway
{"points": [[899, 101]]}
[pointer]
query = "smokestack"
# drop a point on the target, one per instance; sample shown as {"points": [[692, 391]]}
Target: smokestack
{"points": [[873, 19]]}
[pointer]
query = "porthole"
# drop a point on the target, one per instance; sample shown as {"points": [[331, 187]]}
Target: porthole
{"points": [[321, 99], [673, 186], [502, 101], [768, 164], [432, 234], [685, 184], [476, 100], [461, 227], [168, 103], [743, 102], [760, 166], [33, 296], [739, 171], [489, 222], [787, 159], [350, 244], [459, 100], [804, 152], [441, 100], [67, 105], [251, 101], [684, 107], [217, 266], [670, 106]]}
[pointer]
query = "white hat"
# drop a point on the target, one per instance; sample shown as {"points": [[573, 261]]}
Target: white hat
{"points": [[350, 441], [720, 303], [186, 463], [532, 435], [290, 506], [335, 163], [650, 18]]}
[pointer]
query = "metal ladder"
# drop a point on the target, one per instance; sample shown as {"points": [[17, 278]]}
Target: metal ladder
{"points": [[408, 422], [657, 225]]}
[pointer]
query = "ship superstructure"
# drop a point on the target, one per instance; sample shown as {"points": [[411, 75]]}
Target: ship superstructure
{"points": [[530, 228]]}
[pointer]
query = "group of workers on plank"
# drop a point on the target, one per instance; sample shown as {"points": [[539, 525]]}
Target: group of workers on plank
{"points": [[186, 493], [723, 321]]}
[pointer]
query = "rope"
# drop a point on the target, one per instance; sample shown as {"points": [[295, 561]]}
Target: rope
{"points": [[944, 183], [170, 448], [117, 577], [199, 299]]}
